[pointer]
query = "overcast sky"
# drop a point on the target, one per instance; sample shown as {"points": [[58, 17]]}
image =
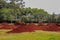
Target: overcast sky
{"points": [[48, 5]]}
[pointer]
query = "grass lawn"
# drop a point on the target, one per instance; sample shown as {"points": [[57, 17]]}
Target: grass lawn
{"points": [[38, 35]]}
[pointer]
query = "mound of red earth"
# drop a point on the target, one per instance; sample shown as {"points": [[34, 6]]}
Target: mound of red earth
{"points": [[30, 27], [7, 26], [42, 26], [52, 27], [58, 24], [41, 23]]}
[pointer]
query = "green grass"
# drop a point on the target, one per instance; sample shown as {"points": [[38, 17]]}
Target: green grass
{"points": [[38, 35]]}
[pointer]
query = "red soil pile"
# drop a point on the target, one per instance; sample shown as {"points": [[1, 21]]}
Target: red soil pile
{"points": [[49, 27], [3, 25], [42, 24], [52, 27], [12, 26], [7, 26], [33, 26], [58, 24], [30, 27]]}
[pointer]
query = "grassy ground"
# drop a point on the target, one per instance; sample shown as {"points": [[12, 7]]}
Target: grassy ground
{"points": [[38, 35]]}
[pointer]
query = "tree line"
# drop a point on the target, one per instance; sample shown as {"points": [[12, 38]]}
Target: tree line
{"points": [[15, 11]]}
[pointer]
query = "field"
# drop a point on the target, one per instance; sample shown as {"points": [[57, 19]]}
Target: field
{"points": [[37, 35]]}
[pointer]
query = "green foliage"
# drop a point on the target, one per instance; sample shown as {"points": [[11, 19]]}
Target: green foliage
{"points": [[19, 13], [58, 18]]}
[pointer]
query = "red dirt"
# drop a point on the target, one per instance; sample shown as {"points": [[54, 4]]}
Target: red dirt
{"points": [[24, 28], [52, 27], [41, 23], [7, 26], [29, 27]]}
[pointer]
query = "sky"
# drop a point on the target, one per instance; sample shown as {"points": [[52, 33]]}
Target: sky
{"points": [[48, 5]]}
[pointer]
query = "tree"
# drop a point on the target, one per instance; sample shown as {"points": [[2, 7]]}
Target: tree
{"points": [[58, 18], [53, 19], [17, 10], [11, 18], [4, 13], [21, 3]]}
